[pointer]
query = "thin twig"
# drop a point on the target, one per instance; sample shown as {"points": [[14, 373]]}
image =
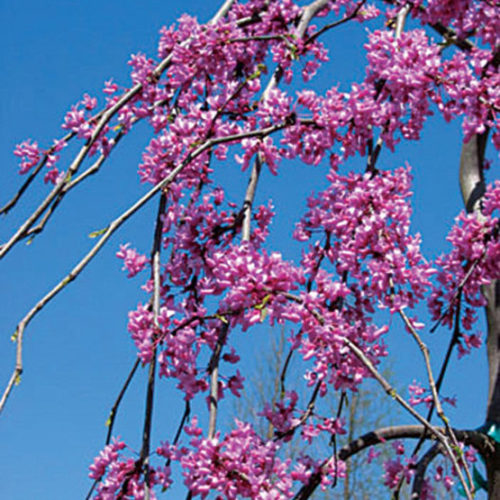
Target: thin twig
{"points": [[114, 410], [335, 24], [284, 370], [185, 416], [305, 415], [333, 438], [12, 202]]}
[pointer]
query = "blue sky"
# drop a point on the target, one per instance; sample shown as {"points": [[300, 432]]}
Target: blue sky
{"points": [[77, 351]]}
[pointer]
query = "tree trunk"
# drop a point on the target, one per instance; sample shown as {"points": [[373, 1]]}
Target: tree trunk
{"points": [[473, 188]]}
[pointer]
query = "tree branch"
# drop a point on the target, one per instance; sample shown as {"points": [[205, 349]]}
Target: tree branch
{"points": [[213, 370], [481, 442], [421, 467]]}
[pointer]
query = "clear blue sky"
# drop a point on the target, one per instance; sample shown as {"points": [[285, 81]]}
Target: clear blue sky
{"points": [[77, 351]]}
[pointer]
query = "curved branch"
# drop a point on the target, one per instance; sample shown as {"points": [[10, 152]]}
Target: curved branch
{"points": [[481, 442], [421, 467]]}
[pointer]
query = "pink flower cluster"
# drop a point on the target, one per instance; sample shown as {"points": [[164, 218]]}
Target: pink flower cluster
{"points": [[79, 117], [252, 279], [463, 16], [395, 469], [366, 221], [120, 476], [419, 394], [133, 261], [238, 465], [29, 153], [472, 263]]}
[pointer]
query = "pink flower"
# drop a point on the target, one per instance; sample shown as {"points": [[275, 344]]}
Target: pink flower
{"points": [[105, 458], [110, 87], [133, 262], [372, 454], [29, 153]]}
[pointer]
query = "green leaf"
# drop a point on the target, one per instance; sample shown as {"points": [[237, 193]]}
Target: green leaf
{"points": [[222, 318], [265, 300], [95, 234], [254, 75]]}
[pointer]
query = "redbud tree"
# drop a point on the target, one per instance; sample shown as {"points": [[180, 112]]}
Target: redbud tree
{"points": [[237, 93]]}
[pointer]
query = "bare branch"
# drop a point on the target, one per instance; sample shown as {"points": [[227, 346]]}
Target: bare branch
{"points": [[335, 24], [213, 370], [114, 410], [148, 416], [481, 442]]}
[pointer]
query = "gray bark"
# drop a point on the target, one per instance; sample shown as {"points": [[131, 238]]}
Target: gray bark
{"points": [[473, 188]]}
